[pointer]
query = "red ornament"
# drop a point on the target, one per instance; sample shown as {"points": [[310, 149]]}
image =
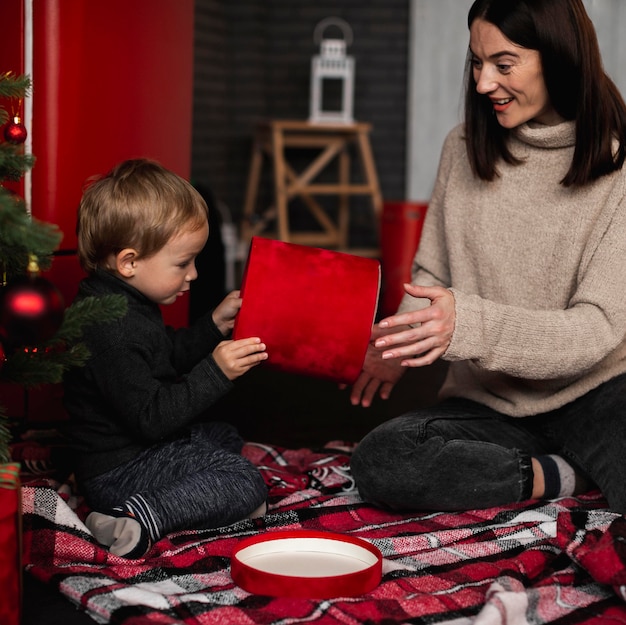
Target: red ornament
{"points": [[15, 131], [31, 311]]}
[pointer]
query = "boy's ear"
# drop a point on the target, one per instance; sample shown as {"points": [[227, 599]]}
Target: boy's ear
{"points": [[125, 262]]}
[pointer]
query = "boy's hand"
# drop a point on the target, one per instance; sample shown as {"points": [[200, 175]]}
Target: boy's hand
{"points": [[234, 358], [226, 311]]}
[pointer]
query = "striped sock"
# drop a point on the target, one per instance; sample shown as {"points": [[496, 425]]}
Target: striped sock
{"points": [[139, 509], [559, 477]]}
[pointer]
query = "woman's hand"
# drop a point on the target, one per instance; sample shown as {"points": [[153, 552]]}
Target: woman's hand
{"points": [[378, 375], [226, 311], [235, 358], [430, 338]]}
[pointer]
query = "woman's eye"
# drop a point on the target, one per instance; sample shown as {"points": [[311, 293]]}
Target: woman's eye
{"points": [[504, 69]]}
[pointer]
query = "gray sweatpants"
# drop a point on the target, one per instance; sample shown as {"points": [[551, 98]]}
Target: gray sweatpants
{"points": [[199, 480]]}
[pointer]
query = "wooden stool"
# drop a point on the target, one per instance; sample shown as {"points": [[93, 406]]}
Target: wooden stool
{"points": [[333, 140]]}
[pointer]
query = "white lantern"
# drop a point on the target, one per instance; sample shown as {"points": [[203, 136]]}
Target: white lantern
{"points": [[332, 64]]}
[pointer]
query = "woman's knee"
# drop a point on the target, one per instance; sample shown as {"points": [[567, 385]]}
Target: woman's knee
{"points": [[383, 464]]}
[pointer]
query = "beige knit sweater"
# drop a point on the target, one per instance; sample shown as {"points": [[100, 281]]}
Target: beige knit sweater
{"points": [[538, 273]]}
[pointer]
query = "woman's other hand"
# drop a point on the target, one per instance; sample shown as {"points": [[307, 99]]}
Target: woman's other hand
{"points": [[429, 330]]}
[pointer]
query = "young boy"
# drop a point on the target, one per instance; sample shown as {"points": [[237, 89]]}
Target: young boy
{"points": [[145, 461]]}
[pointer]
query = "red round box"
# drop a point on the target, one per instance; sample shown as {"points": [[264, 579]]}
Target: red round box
{"points": [[264, 564]]}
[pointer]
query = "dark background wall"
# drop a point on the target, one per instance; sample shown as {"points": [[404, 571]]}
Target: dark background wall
{"points": [[252, 62]]}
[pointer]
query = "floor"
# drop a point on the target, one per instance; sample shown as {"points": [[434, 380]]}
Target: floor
{"points": [[277, 408]]}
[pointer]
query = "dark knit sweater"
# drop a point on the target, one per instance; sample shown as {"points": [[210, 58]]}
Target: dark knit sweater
{"points": [[142, 383]]}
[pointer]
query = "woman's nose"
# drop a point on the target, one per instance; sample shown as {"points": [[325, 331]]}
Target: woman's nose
{"points": [[485, 82]]}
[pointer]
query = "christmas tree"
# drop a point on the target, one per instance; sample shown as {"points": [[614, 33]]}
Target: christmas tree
{"points": [[39, 338]]}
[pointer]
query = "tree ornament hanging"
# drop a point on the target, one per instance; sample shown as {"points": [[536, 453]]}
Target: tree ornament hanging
{"points": [[31, 309], [15, 131]]}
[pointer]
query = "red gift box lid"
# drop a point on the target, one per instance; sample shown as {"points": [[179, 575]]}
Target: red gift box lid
{"points": [[306, 564], [313, 308]]}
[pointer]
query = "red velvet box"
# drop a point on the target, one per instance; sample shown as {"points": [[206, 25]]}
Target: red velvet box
{"points": [[313, 308]]}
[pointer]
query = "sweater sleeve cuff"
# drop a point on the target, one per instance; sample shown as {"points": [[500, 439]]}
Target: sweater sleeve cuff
{"points": [[207, 320], [218, 378], [467, 338]]}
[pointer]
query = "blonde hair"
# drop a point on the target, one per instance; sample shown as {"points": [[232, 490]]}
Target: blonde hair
{"points": [[138, 204]]}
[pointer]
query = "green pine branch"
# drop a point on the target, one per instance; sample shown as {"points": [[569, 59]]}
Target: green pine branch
{"points": [[22, 235], [12, 86], [13, 161], [88, 311], [20, 229]]}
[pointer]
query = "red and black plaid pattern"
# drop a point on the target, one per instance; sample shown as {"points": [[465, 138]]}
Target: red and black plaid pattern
{"points": [[550, 562]]}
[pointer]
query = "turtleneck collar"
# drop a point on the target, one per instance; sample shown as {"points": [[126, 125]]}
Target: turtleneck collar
{"points": [[561, 135], [106, 281]]}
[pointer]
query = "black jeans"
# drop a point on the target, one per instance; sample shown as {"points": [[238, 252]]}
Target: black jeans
{"points": [[199, 480], [461, 455]]}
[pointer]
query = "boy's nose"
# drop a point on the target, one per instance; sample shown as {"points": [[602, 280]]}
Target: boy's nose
{"points": [[193, 273]]}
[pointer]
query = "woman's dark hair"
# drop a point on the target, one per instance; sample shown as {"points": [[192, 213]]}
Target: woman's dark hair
{"points": [[578, 87]]}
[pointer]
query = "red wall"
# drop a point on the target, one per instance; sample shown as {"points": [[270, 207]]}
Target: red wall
{"points": [[113, 80]]}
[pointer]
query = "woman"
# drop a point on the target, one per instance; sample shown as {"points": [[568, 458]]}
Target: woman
{"points": [[519, 283]]}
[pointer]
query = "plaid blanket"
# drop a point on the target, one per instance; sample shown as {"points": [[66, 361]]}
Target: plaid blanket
{"points": [[551, 562]]}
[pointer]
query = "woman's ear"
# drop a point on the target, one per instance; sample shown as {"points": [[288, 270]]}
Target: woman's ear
{"points": [[125, 262]]}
